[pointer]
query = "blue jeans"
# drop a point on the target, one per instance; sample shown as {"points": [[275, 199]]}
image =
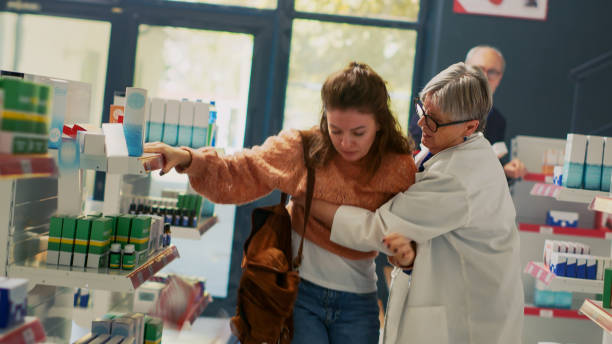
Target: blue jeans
{"points": [[326, 316]]}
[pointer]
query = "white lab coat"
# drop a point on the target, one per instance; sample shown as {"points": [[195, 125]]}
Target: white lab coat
{"points": [[466, 282]]}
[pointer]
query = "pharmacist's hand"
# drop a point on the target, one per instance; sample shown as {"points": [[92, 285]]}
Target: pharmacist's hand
{"points": [[403, 248], [172, 156], [515, 169]]}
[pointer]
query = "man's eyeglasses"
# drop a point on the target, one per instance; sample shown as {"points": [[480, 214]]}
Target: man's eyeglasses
{"points": [[431, 123], [491, 74]]}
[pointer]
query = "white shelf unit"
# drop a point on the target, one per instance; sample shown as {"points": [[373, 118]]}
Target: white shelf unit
{"points": [[578, 195], [543, 324], [194, 233], [37, 271], [556, 283]]}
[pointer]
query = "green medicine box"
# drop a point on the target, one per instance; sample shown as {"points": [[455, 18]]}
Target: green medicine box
{"points": [[99, 242], [139, 236], [67, 241], [153, 330], [81, 241], [55, 238], [114, 219], [123, 229]]}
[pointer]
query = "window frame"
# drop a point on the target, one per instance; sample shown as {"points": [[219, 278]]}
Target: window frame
{"points": [[271, 29]]}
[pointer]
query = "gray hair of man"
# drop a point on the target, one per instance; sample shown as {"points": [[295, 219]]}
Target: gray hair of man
{"points": [[478, 48], [461, 92]]}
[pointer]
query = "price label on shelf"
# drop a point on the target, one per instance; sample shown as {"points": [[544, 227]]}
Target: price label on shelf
{"points": [[26, 166], [546, 313], [28, 336], [546, 230]]}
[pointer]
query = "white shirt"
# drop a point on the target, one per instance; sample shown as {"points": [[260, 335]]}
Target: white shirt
{"points": [[332, 271], [466, 283]]}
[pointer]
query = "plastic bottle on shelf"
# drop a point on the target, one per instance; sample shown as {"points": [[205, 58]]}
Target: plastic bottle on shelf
{"points": [[114, 261], [127, 262], [166, 235], [185, 218], [193, 220]]}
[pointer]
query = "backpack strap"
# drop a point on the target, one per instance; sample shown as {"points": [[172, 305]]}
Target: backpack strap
{"points": [[310, 181]]}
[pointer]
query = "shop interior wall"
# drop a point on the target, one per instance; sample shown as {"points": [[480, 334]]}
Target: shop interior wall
{"points": [[536, 94]]}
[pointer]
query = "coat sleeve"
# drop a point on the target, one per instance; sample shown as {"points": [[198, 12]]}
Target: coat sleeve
{"points": [[431, 207], [249, 174]]}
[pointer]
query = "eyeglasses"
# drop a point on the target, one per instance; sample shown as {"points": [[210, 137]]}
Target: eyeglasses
{"points": [[431, 123], [491, 74]]}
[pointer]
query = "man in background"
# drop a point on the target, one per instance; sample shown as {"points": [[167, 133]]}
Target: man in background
{"points": [[492, 63]]}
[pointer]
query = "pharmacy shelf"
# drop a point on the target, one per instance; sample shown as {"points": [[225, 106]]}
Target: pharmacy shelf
{"points": [[538, 177], [37, 271], [561, 193], [556, 283], [578, 195], [601, 203], [198, 308], [553, 313], [26, 166], [599, 315], [29, 332], [123, 165], [194, 233], [599, 233]]}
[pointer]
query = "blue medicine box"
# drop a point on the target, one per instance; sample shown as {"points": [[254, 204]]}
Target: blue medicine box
{"points": [[562, 218], [13, 301]]}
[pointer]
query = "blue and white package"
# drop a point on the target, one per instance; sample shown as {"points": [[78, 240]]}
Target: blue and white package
{"points": [[573, 163], [581, 262], [558, 263], [591, 268], [606, 171], [594, 160], [13, 301], [58, 112], [200, 124], [570, 270], [185, 123], [558, 175], [171, 121], [134, 120], [562, 218], [156, 120]]}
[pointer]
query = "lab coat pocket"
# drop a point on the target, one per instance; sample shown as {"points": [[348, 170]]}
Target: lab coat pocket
{"points": [[424, 325]]}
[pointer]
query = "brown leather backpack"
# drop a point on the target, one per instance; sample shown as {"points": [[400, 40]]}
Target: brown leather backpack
{"points": [[269, 283]]}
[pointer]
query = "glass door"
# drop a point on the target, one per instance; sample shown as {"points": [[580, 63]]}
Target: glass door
{"points": [[178, 63]]}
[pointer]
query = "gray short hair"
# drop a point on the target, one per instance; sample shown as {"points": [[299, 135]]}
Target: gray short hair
{"points": [[477, 48], [462, 92]]}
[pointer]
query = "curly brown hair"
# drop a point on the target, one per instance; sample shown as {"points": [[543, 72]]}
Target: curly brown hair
{"points": [[359, 87]]}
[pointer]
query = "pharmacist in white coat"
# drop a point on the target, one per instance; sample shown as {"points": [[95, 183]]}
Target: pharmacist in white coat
{"points": [[464, 286]]}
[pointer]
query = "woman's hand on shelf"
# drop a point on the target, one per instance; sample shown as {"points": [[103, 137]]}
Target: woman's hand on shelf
{"points": [[173, 156]]}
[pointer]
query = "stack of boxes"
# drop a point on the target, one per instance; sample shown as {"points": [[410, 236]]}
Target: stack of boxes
{"points": [[85, 241], [573, 259], [131, 328], [184, 123], [587, 163], [567, 259], [24, 110]]}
